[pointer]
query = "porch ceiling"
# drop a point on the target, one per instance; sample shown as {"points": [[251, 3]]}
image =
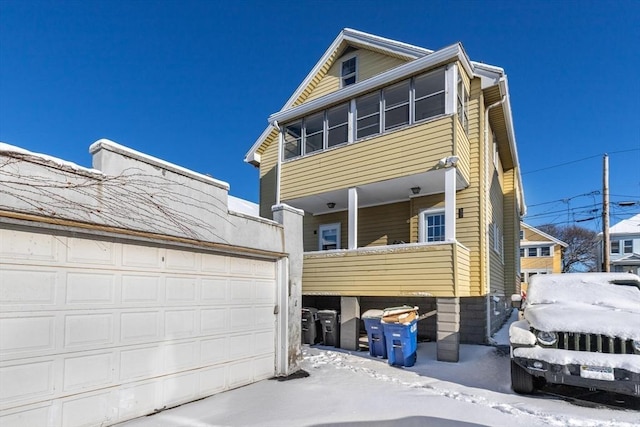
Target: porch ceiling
{"points": [[377, 193]]}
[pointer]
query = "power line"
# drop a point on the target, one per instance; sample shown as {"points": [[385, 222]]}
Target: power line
{"points": [[579, 160]]}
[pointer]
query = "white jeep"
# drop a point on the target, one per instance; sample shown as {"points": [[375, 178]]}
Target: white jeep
{"points": [[578, 329]]}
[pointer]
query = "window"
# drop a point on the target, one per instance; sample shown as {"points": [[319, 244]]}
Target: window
{"points": [[615, 246], [405, 103], [338, 125], [432, 226], [348, 71], [396, 105], [521, 234], [314, 132], [368, 115], [521, 252], [545, 251], [429, 95], [463, 105], [532, 252], [293, 140], [628, 247], [329, 236], [498, 244]]}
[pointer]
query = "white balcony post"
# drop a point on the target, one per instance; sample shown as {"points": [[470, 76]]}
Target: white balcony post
{"points": [[450, 204], [353, 218]]}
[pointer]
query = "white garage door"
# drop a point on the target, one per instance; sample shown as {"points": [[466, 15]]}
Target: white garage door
{"points": [[93, 332]]}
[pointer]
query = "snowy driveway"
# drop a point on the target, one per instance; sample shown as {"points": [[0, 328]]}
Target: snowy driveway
{"points": [[353, 389]]}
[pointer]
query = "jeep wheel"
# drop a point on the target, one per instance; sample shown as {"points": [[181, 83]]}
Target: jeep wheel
{"points": [[521, 380]]}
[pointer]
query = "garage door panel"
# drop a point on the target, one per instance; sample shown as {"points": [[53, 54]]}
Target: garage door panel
{"points": [[86, 251], [181, 260], [214, 290], [21, 245], [214, 351], [90, 371], [88, 330], [27, 287], [241, 291], [181, 356], [179, 323], [145, 362], [95, 331], [180, 290], [26, 381], [87, 288], [26, 334], [147, 257], [141, 288], [139, 326]]}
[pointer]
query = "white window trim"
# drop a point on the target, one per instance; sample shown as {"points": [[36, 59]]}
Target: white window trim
{"points": [[354, 74], [333, 225], [422, 230]]}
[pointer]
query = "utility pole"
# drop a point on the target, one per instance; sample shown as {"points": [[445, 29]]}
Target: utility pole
{"points": [[606, 243]]}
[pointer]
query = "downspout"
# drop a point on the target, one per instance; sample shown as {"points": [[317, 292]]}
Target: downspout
{"points": [[279, 163], [487, 195]]}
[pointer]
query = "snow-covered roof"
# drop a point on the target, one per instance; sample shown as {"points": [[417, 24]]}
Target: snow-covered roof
{"points": [[627, 226], [597, 303]]}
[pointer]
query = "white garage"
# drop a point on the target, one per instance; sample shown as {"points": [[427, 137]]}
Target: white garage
{"points": [[100, 324]]}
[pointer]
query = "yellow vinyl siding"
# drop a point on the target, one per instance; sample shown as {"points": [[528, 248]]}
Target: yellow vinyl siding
{"points": [[418, 204], [511, 234], [377, 226], [400, 153], [268, 176], [369, 64], [462, 150], [425, 270], [496, 263], [557, 259]]}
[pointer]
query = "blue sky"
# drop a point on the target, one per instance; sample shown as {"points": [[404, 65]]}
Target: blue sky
{"points": [[193, 82]]}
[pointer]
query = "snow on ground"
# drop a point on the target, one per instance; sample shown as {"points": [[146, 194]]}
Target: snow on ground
{"points": [[354, 389]]}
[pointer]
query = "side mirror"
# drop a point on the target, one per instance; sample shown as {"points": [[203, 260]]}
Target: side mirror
{"points": [[516, 301]]}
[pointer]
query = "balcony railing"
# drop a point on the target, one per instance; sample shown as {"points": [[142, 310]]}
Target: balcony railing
{"points": [[421, 269]]}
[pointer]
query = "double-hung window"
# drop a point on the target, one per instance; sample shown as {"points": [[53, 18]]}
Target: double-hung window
{"points": [[293, 140], [429, 95], [532, 252], [628, 247], [463, 101], [545, 251], [396, 105], [329, 237], [368, 115], [432, 226], [348, 71], [338, 125], [314, 132], [615, 246]]}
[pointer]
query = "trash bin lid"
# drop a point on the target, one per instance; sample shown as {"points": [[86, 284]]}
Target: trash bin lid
{"points": [[310, 309], [374, 313]]}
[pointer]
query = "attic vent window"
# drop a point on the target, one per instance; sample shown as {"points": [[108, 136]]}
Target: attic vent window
{"points": [[348, 71]]}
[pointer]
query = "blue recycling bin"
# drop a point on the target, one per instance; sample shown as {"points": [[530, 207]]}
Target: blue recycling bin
{"points": [[375, 333], [402, 343]]}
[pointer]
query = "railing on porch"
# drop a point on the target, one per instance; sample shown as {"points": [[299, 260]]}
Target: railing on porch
{"points": [[420, 269]]}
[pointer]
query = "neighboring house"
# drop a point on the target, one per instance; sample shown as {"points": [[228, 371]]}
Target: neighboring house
{"points": [[540, 253], [404, 161], [625, 246], [136, 286]]}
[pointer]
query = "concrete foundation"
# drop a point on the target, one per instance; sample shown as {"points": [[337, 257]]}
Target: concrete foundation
{"points": [[448, 323]]}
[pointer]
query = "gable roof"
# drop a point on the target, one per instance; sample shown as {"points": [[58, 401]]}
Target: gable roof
{"points": [[627, 226], [545, 235]]}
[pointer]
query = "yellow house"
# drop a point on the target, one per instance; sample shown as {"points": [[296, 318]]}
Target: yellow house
{"points": [[404, 162], [540, 253]]}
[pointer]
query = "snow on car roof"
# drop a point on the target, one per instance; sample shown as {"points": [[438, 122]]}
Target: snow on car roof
{"points": [[586, 303]]}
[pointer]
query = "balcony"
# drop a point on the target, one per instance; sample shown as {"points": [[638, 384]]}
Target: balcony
{"points": [[409, 270]]}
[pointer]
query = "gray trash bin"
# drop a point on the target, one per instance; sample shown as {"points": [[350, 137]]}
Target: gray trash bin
{"points": [[330, 322], [310, 326]]}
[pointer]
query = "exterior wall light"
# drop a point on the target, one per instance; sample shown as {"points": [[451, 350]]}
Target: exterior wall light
{"points": [[331, 205], [415, 190]]}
